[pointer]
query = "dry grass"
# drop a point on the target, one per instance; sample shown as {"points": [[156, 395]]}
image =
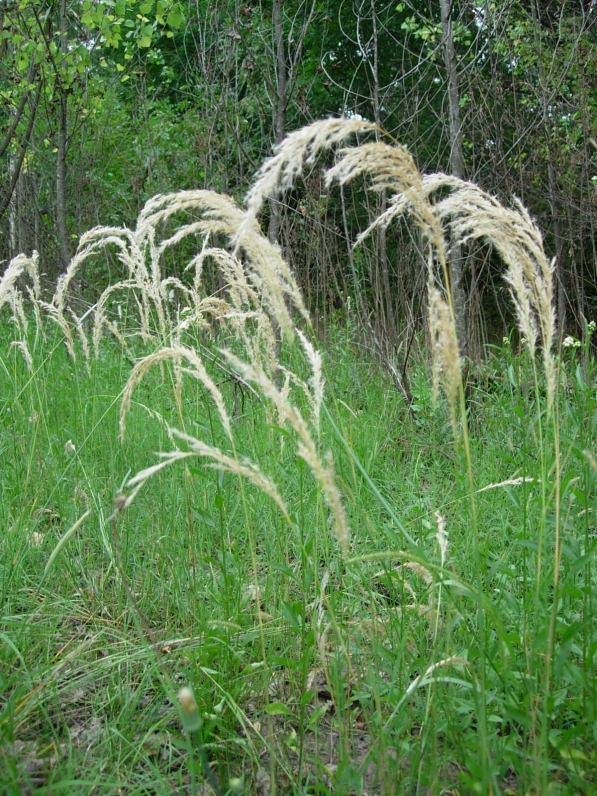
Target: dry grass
{"points": [[261, 295], [471, 213], [260, 300], [11, 294]]}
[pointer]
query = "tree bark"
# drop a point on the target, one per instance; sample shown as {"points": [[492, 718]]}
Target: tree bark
{"points": [[457, 169], [280, 107], [391, 330], [61, 146], [18, 163], [554, 193], [18, 113]]}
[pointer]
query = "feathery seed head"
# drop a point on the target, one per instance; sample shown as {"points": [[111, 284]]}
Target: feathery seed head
{"points": [[21, 345], [190, 711], [197, 370], [475, 215], [17, 266], [280, 172], [441, 536], [446, 363], [186, 697]]}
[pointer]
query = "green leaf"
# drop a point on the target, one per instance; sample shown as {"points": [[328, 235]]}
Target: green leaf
{"points": [[292, 614], [277, 709], [318, 713], [64, 541], [285, 570], [22, 61], [175, 19], [574, 754], [307, 697], [204, 516], [144, 41]]}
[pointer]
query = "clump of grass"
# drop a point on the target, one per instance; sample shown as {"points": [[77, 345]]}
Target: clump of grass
{"points": [[11, 294], [490, 636]]}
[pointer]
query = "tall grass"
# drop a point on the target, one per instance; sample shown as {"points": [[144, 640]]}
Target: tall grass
{"points": [[353, 597]]}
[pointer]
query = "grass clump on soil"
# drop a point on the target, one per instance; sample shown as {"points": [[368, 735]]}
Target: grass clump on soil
{"points": [[313, 589]]}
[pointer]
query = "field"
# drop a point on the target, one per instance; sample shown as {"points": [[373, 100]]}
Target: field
{"points": [[316, 588]]}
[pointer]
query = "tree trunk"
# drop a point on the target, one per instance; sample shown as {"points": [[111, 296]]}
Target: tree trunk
{"points": [[16, 164], [391, 330], [280, 106], [457, 169], [554, 194], [13, 210], [61, 146]]}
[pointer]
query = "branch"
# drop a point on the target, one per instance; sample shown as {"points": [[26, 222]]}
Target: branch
{"points": [[4, 203], [19, 113]]}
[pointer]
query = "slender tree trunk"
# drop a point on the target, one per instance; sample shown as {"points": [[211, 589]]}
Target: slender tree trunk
{"points": [[554, 193], [457, 169], [280, 107], [16, 164], [383, 248], [13, 211], [400, 379], [17, 114], [61, 146]]}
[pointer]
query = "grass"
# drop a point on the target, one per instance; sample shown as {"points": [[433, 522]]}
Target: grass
{"points": [[300, 688], [304, 592]]}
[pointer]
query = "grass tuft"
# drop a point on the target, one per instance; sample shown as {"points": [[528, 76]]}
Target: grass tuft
{"points": [[275, 605]]}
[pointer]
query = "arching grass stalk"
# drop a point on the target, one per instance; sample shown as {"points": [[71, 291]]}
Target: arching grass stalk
{"points": [[490, 784], [552, 415], [261, 295], [430, 202]]}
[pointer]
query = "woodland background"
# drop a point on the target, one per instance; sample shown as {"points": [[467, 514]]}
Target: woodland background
{"points": [[105, 103]]}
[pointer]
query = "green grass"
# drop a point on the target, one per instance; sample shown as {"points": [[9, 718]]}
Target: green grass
{"points": [[312, 671]]}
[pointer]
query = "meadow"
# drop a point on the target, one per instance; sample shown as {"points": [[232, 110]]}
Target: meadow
{"points": [[235, 560]]}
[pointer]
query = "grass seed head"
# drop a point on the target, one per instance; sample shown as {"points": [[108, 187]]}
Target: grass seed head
{"points": [[21, 345], [475, 215], [190, 710], [446, 362], [186, 697], [280, 172], [442, 537], [196, 369]]}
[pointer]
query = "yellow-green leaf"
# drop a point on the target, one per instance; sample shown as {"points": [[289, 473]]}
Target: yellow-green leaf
{"points": [[277, 709]]}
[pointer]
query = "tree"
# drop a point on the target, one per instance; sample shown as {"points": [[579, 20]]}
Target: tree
{"points": [[60, 47]]}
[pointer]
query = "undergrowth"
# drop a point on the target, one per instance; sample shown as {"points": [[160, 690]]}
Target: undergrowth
{"points": [[308, 591]]}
